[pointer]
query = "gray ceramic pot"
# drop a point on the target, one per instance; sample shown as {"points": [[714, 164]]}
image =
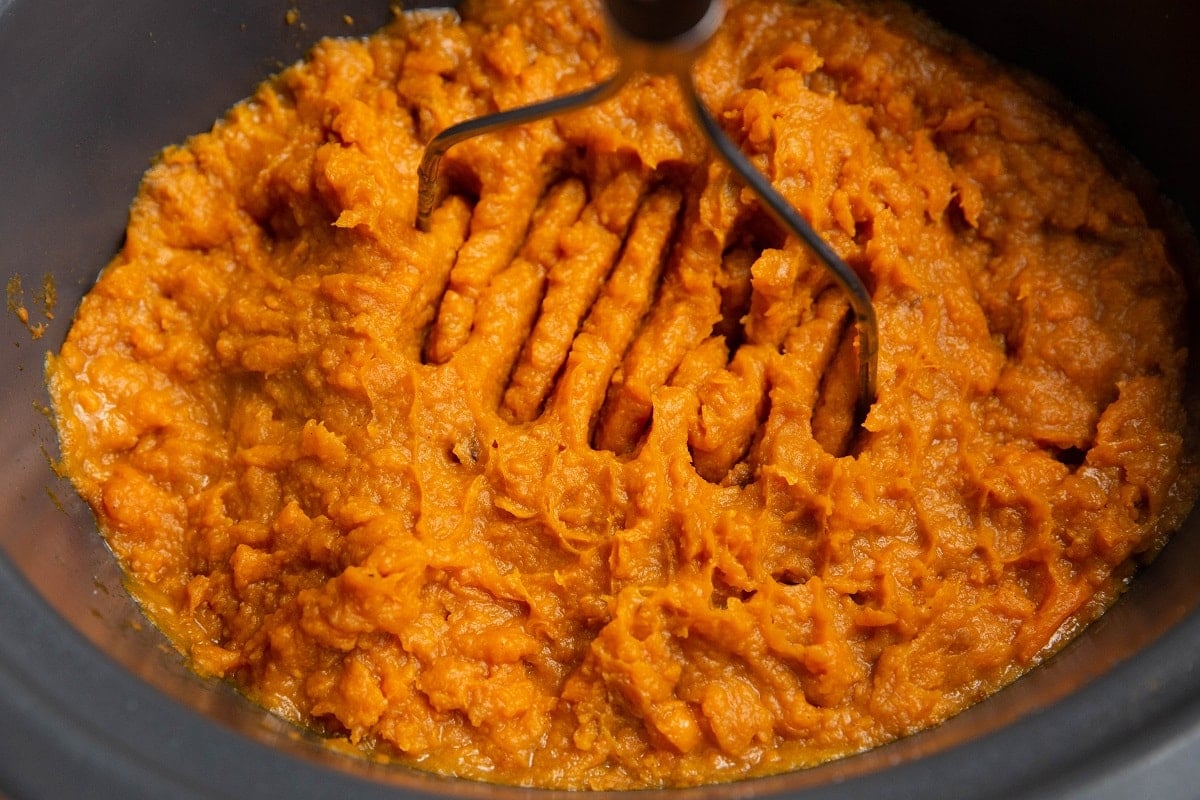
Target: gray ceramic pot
{"points": [[92, 702]]}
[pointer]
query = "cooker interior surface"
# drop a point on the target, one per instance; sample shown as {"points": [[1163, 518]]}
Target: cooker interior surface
{"points": [[93, 699]]}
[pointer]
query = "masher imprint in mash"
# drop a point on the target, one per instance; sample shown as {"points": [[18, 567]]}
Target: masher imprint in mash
{"points": [[665, 39], [633, 281]]}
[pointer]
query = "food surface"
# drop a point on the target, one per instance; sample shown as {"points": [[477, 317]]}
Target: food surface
{"points": [[568, 491]]}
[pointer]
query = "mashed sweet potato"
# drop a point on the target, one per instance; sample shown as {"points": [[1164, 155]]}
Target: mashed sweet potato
{"points": [[568, 490]]}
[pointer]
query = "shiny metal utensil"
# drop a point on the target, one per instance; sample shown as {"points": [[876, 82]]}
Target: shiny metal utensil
{"points": [[666, 37]]}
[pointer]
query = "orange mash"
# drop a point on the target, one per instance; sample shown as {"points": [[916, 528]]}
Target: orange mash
{"points": [[568, 492]]}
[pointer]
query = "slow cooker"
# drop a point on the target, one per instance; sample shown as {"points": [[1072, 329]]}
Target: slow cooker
{"points": [[94, 703]]}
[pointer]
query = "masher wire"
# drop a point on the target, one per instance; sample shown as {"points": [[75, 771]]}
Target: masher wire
{"points": [[429, 175], [649, 49]]}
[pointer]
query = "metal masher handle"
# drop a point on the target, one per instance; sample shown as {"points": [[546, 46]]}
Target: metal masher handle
{"points": [[666, 36], [657, 20]]}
